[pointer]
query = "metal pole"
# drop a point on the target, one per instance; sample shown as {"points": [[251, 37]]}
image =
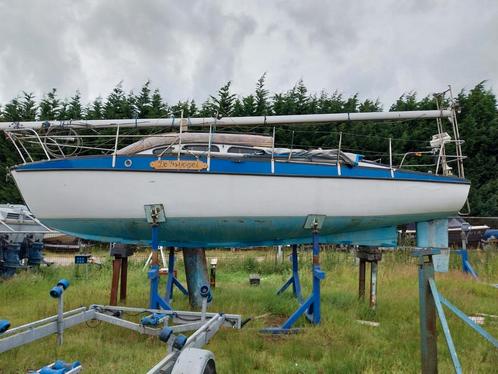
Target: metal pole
{"points": [[296, 284], [373, 284], [273, 152], [339, 154], [209, 148], [316, 277], [280, 255], [171, 274], [428, 337], [180, 137], [204, 308], [235, 121], [444, 326], [115, 148], [154, 268], [60, 319]]}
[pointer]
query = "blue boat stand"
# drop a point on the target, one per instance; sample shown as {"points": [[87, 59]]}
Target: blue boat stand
{"points": [[431, 302], [311, 306], [155, 300], [294, 278], [466, 266], [155, 215], [172, 280]]}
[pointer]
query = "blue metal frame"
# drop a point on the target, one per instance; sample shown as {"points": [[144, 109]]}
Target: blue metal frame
{"points": [[466, 266], [311, 306], [468, 321], [155, 301], [431, 301], [294, 279], [172, 280], [444, 325]]}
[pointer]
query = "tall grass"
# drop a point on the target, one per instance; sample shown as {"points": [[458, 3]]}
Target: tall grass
{"points": [[338, 345]]}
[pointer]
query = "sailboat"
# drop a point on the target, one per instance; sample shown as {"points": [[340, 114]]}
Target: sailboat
{"points": [[221, 189]]}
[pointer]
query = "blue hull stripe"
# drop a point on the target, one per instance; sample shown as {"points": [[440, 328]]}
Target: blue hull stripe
{"points": [[141, 163]]}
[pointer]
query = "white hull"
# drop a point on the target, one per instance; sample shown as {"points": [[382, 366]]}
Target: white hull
{"points": [[65, 194]]}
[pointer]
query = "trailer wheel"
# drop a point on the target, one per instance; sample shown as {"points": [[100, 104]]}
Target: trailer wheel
{"points": [[194, 361], [210, 368]]}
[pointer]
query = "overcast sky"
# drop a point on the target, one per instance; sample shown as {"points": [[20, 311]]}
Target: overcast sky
{"points": [[188, 49]]}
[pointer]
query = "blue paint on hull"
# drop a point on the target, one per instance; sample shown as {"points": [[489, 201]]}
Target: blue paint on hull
{"points": [[245, 166], [225, 232]]}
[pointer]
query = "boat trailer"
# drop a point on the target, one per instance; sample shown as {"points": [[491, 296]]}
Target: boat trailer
{"points": [[184, 353]]}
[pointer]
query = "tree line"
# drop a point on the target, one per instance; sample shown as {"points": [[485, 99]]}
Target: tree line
{"points": [[478, 120]]}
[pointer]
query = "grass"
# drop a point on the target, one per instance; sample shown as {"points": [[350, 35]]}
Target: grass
{"points": [[338, 345]]}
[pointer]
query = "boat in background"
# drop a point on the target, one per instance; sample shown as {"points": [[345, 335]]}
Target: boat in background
{"points": [[232, 190], [21, 239]]}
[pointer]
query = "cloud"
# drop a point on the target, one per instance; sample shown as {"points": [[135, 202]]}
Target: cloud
{"points": [[189, 49]]}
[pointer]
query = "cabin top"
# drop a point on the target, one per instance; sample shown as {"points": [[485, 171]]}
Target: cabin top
{"points": [[169, 139]]}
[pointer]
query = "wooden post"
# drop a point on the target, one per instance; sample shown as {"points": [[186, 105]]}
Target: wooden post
{"points": [[116, 270], [372, 256], [120, 252], [124, 278], [361, 283]]}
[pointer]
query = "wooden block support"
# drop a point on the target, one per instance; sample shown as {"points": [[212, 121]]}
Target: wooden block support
{"points": [[119, 279], [372, 256], [124, 279], [116, 270]]}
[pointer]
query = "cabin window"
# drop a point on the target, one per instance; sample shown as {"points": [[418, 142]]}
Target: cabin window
{"points": [[200, 148], [246, 151], [160, 151], [187, 147]]}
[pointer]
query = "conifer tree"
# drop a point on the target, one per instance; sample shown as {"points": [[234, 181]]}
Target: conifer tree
{"points": [[95, 110], [50, 106], [158, 109], [12, 111], [116, 105], [144, 102], [75, 109], [63, 110], [28, 107], [263, 106], [223, 103]]}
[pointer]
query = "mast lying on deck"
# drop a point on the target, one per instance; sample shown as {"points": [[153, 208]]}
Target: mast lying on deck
{"points": [[232, 121]]}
